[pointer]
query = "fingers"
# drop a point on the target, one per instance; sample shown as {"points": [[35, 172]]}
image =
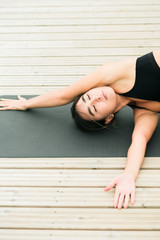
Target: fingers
{"points": [[20, 98], [3, 104], [125, 191], [119, 198], [5, 99], [126, 202], [132, 197], [110, 186], [116, 199], [5, 108]]}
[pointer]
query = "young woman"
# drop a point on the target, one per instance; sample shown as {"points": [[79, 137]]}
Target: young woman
{"points": [[101, 94]]}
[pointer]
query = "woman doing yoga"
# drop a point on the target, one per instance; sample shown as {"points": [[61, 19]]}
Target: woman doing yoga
{"points": [[99, 96]]}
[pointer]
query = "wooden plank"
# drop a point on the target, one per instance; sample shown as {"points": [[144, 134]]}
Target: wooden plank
{"points": [[77, 52], [80, 218], [81, 15], [59, 61], [76, 3], [78, 44], [79, 22], [45, 70], [38, 81], [10, 36], [71, 178], [79, 28], [27, 90], [74, 163], [73, 197], [14, 234], [84, 8]]}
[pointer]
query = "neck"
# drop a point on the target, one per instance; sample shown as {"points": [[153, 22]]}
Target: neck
{"points": [[121, 102]]}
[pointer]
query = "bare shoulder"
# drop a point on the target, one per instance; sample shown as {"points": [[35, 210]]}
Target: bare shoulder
{"points": [[120, 74]]}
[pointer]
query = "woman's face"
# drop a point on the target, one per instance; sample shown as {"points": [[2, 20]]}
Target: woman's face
{"points": [[97, 103]]}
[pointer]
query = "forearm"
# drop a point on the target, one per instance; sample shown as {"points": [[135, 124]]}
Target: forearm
{"points": [[51, 99], [135, 156]]}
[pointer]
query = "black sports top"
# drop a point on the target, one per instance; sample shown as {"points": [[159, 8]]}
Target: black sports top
{"points": [[147, 83]]}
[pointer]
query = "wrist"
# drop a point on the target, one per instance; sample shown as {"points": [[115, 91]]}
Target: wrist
{"points": [[26, 105], [130, 173]]}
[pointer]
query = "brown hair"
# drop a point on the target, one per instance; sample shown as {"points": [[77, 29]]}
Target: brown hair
{"points": [[88, 125]]}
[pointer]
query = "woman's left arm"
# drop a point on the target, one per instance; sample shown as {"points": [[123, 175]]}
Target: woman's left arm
{"points": [[145, 125]]}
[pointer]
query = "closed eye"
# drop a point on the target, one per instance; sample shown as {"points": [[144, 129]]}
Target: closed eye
{"points": [[93, 105], [89, 110], [95, 108], [83, 99], [88, 96]]}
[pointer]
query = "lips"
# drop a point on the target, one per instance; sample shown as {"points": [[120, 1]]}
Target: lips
{"points": [[104, 95]]}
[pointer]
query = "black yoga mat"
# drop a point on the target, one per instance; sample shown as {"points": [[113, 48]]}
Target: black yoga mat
{"points": [[51, 132]]}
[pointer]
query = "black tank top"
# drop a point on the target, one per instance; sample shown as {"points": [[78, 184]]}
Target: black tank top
{"points": [[147, 83]]}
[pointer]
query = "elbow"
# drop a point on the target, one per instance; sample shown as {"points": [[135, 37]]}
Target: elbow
{"points": [[64, 97]]}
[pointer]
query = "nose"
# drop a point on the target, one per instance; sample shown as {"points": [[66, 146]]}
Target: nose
{"points": [[96, 98]]}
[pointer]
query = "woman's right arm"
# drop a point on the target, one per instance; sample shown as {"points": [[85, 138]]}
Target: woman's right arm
{"points": [[58, 97]]}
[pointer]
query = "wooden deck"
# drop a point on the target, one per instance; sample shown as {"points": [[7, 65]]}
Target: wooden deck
{"points": [[46, 45]]}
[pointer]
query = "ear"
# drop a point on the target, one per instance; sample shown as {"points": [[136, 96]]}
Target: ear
{"points": [[109, 118]]}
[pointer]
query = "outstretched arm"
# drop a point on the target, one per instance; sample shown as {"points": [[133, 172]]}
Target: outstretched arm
{"points": [[59, 97], [145, 124]]}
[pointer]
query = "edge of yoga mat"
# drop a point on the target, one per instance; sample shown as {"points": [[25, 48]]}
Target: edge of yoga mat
{"points": [[51, 132]]}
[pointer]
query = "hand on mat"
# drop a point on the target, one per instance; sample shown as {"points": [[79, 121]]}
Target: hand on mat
{"points": [[125, 188], [10, 104]]}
